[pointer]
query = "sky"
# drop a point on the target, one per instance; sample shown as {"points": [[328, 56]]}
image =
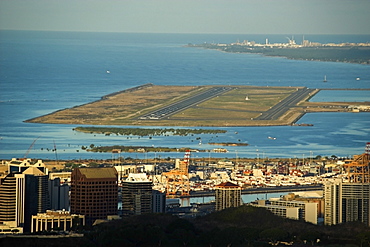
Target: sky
{"points": [[189, 16]]}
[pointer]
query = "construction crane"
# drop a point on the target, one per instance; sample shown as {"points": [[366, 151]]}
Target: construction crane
{"points": [[177, 180], [291, 41], [358, 169], [31, 146]]}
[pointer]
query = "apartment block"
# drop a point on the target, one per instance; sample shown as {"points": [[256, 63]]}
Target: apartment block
{"points": [[227, 195], [346, 202], [297, 210]]}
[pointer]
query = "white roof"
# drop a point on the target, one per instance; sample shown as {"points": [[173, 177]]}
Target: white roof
{"points": [[137, 177], [310, 194]]}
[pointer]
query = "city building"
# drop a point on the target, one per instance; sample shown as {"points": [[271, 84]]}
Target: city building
{"points": [[8, 205], [58, 194], [297, 210], [309, 196], [177, 180], [158, 202], [345, 202], [125, 170], [20, 165], [94, 193], [64, 176], [227, 195], [56, 221], [282, 211], [136, 194], [348, 199], [23, 193]]}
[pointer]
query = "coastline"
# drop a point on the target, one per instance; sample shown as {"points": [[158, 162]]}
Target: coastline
{"points": [[345, 54]]}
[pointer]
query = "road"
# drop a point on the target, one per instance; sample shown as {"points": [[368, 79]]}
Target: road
{"points": [[174, 108], [283, 106]]}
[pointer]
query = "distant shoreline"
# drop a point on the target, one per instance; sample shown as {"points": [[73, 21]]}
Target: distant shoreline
{"points": [[345, 54]]}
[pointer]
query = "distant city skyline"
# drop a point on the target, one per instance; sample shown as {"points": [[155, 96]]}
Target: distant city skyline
{"points": [[189, 16]]}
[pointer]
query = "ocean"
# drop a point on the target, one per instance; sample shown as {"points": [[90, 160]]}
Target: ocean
{"points": [[42, 72]]}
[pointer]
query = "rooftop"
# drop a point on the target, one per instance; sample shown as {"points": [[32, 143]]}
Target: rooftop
{"points": [[104, 172], [227, 185]]}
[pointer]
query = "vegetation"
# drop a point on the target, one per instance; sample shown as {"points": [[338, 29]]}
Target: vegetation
{"points": [[242, 226], [228, 144], [146, 132], [140, 149]]}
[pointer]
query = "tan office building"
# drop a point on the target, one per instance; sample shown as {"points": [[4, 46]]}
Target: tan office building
{"points": [[94, 193]]}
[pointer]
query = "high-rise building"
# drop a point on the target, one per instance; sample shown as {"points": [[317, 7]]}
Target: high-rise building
{"points": [[58, 194], [94, 193], [345, 202], [20, 165], [158, 202], [227, 195], [349, 199], [136, 194], [23, 193], [8, 198]]}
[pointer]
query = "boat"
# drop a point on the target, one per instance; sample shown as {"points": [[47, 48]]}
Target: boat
{"points": [[325, 79], [272, 138], [358, 78]]}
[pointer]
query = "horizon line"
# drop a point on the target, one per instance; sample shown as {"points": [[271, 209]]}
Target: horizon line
{"points": [[195, 33]]}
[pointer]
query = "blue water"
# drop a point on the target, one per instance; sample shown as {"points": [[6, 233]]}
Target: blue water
{"points": [[342, 96], [246, 198], [41, 72]]}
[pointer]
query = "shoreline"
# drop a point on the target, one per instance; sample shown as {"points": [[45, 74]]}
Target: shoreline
{"points": [[355, 54]]}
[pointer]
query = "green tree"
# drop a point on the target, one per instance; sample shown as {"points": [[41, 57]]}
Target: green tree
{"points": [[93, 164]]}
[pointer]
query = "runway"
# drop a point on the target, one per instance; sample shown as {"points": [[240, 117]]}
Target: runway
{"points": [[174, 108], [283, 106]]}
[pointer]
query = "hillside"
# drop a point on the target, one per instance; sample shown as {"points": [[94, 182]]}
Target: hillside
{"points": [[243, 226]]}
